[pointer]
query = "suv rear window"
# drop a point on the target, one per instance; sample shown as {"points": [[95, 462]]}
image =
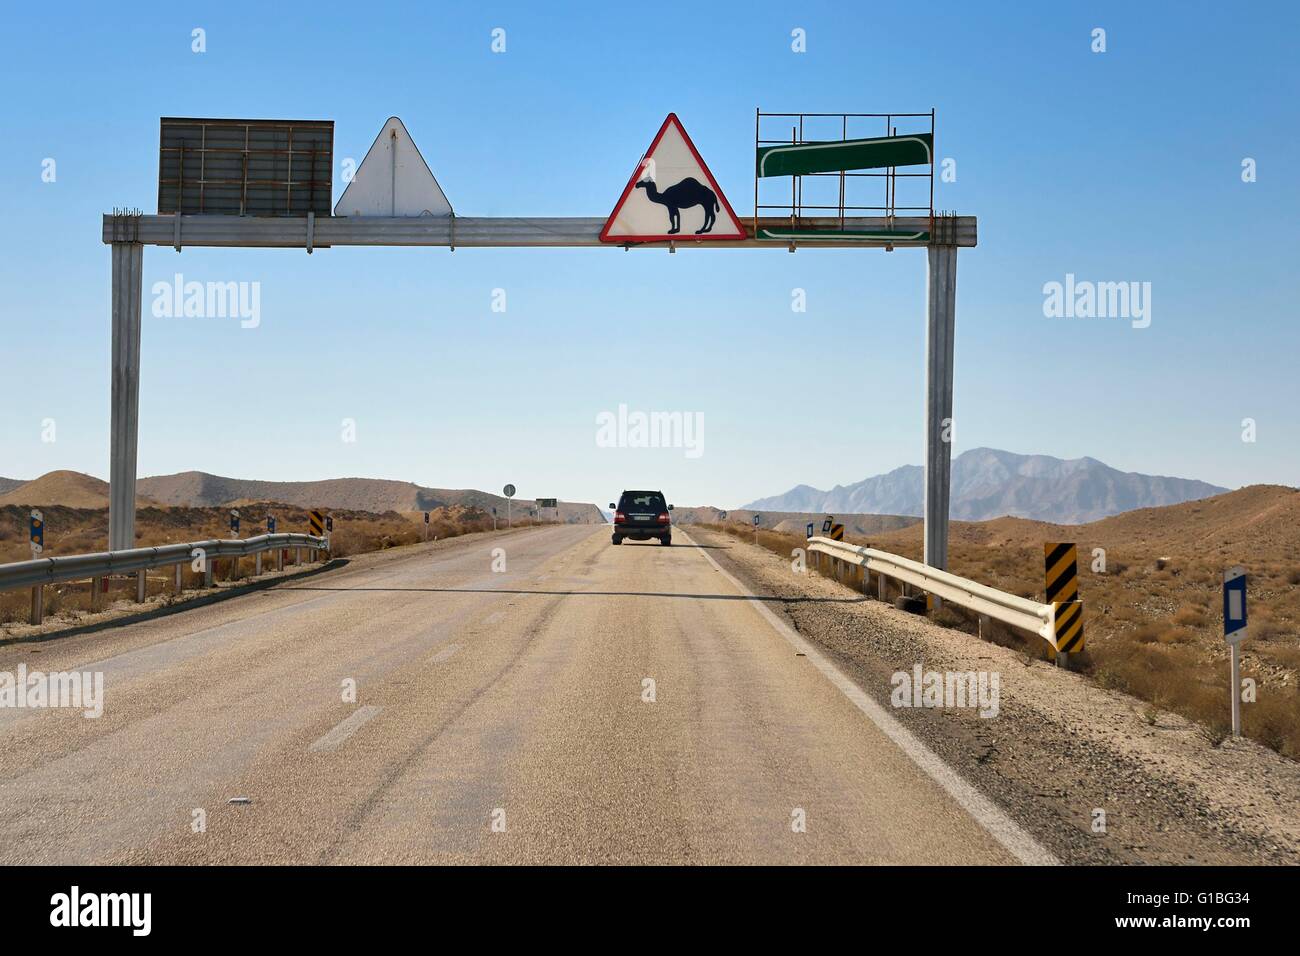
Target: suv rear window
{"points": [[642, 501]]}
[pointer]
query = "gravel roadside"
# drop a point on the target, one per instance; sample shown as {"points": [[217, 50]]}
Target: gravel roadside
{"points": [[1060, 749]]}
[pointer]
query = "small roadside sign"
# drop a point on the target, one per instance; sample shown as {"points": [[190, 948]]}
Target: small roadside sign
{"points": [[1234, 605], [810, 529], [837, 532], [508, 491], [722, 516], [1234, 632], [234, 522], [757, 520], [828, 524], [329, 522], [270, 524], [37, 531], [317, 522], [548, 502], [426, 516]]}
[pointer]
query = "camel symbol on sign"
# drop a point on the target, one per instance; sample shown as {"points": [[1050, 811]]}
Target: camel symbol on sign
{"points": [[683, 195], [673, 175]]}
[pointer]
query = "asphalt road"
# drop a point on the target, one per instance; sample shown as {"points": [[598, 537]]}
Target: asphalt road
{"points": [[499, 716]]}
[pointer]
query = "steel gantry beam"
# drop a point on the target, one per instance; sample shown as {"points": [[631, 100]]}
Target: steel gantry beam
{"points": [[128, 234], [308, 232]]}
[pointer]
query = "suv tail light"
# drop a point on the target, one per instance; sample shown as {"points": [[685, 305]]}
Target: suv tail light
{"points": [[663, 517], [619, 517]]}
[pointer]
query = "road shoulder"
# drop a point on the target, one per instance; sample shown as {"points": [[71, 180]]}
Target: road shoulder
{"points": [[1167, 792]]}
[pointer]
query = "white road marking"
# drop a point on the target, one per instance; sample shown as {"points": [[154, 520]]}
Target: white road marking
{"points": [[447, 653], [984, 811], [345, 728]]}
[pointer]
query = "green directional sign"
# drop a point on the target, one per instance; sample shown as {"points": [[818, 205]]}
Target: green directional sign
{"points": [[838, 235], [801, 159]]}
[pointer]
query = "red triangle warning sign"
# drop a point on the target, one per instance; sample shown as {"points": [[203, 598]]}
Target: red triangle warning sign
{"points": [[671, 196]]}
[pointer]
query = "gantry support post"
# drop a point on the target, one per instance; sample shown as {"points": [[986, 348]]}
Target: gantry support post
{"points": [[128, 267], [941, 307]]}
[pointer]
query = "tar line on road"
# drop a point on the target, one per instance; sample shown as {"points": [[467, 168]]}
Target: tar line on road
{"points": [[985, 812]]}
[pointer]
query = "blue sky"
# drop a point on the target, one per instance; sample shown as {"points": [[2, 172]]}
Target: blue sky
{"points": [[1115, 166]]}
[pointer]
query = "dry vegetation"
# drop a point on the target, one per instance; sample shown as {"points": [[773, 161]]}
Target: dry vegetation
{"points": [[85, 530], [1153, 616]]}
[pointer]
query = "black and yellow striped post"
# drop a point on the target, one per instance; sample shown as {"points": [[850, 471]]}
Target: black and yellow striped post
{"points": [[1062, 576], [837, 532], [317, 519]]}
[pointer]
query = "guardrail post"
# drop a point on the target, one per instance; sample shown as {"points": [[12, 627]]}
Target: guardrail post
{"points": [[140, 586], [297, 556], [38, 603], [881, 588], [207, 571], [279, 559], [178, 578], [94, 594], [257, 565]]}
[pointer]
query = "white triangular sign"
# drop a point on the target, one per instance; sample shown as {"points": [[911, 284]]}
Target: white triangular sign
{"points": [[393, 180], [672, 196]]}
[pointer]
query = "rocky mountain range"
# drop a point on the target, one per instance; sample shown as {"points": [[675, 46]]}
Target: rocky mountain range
{"points": [[988, 483]]}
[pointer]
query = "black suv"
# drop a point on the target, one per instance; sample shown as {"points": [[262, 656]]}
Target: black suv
{"points": [[642, 515]]}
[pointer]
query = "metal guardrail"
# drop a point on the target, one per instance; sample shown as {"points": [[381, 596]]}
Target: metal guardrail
{"points": [[74, 567], [1010, 609]]}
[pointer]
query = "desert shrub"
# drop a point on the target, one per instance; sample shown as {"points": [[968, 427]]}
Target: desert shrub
{"points": [[1162, 632], [1190, 615]]}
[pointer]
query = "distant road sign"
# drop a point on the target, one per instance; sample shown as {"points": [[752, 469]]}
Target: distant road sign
{"points": [[329, 522], [837, 532], [270, 524], [722, 516], [1234, 605], [810, 529], [548, 502], [234, 521], [757, 518], [37, 531], [317, 523], [426, 515], [508, 491], [826, 525]]}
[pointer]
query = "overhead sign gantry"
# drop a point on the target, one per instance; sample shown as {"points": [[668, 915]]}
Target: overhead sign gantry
{"points": [[275, 192]]}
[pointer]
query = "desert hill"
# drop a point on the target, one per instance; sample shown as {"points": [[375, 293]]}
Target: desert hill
{"points": [[197, 489], [70, 489]]}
